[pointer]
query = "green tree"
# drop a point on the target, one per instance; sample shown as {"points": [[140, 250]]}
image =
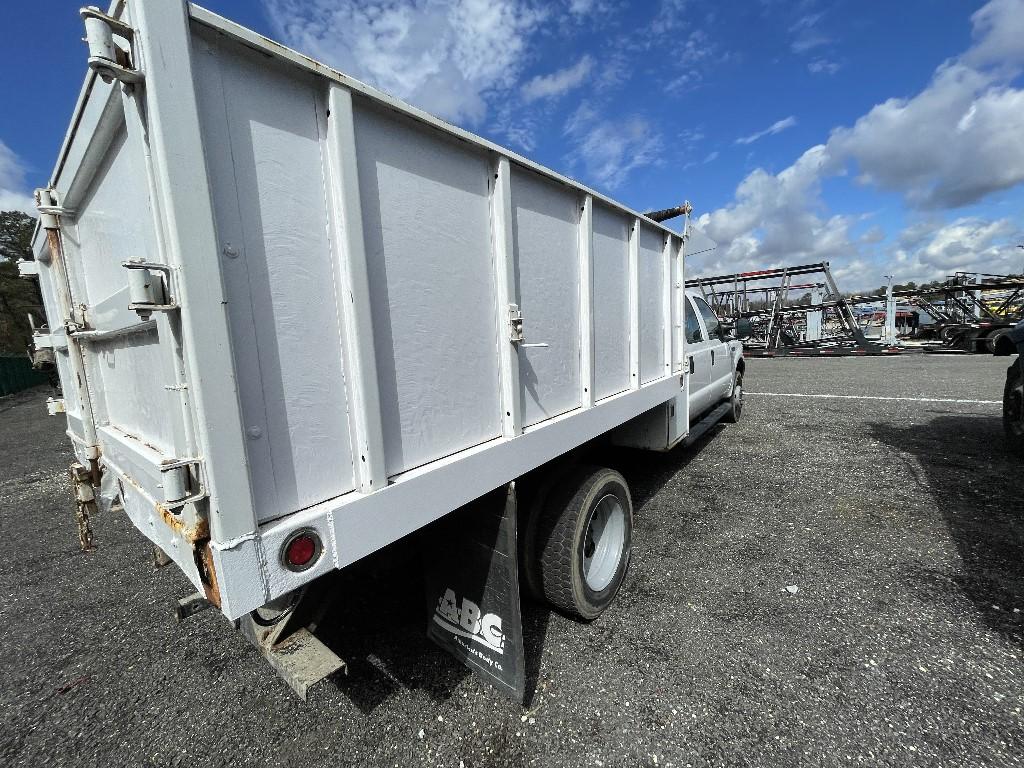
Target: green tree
{"points": [[19, 296]]}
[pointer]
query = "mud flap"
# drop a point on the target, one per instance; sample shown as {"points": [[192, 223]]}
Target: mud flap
{"points": [[471, 574]]}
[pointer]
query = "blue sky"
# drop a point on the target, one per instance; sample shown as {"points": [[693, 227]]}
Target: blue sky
{"points": [[887, 138]]}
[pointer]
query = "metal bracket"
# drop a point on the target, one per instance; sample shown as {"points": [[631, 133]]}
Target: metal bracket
{"points": [[48, 210], [288, 641], [515, 321], [42, 340], [28, 268], [189, 606], [177, 482], [149, 293], [106, 58]]}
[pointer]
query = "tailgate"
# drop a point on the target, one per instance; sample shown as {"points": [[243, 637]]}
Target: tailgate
{"points": [[111, 306]]}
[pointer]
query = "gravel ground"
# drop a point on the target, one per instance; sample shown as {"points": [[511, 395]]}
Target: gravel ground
{"points": [[829, 582]]}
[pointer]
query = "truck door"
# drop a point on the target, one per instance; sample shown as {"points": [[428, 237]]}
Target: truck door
{"points": [[721, 365], [698, 357]]}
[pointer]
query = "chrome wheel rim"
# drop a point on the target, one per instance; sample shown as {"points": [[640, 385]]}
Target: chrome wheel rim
{"points": [[603, 542]]}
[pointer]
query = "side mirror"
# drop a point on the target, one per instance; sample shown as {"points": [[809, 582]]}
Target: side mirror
{"points": [[743, 328]]}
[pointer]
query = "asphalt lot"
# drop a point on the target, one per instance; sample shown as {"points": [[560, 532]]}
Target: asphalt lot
{"points": [[898, 521]]}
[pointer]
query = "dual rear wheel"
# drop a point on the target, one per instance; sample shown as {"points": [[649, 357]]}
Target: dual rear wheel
{"points": [[578, 541]]}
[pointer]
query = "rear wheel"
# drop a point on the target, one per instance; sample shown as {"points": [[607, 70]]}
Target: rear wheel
{"points": [[1013, 405], [992, 340], [584, 537], [735, 400]]}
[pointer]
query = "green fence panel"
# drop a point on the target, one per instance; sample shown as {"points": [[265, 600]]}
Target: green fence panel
{"points": [[16, 374]]}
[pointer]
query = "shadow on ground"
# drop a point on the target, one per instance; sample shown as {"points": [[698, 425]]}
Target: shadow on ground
{"points": [[977, 482], [379, 616]]}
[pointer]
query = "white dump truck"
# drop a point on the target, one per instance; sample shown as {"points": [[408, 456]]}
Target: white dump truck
{"points": [[296, 319]]}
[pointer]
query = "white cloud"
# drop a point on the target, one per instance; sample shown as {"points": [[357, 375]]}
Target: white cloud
{"points": [[581, 10], [772, 219], [672, 15], [956, 142], [582, 7], [557, 83], [823, 66], [998, 32], [711, 157], [608, 149], [806, 35], [926, 252], [777, 127], [13, 195], [691, 58], [444, 57]]}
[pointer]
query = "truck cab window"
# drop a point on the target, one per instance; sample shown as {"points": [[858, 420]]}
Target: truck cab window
{"points": [[693, 332], [710, 318]]}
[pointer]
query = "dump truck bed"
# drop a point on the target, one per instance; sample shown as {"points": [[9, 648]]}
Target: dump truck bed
{"points": [[282, 300]]}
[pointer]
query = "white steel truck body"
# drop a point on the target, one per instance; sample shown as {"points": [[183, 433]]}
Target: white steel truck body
{"points": [[282, 301]]}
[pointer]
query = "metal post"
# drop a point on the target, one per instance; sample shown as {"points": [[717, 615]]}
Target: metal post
{"points": [[634, 305], [814, 317], [889, 332], [586, 251], [348, 234], [505, 289]]}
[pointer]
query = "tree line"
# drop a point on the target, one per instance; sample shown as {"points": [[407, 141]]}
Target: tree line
{"points": [[19, 296]]}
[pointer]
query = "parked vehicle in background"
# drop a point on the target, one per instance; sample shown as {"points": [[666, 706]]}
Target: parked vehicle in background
{"points": [[1011, 342], [297, 320], [716, 360]]}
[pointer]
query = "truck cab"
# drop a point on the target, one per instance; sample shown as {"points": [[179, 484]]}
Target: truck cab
{"points": [[710, 389], [715, 359]]}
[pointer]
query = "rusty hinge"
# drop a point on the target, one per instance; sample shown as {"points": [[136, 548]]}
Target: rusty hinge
{"points": [[108, 59], [182, 481]]}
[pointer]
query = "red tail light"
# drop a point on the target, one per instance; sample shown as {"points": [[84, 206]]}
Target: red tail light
{"points": [[301, 550]]}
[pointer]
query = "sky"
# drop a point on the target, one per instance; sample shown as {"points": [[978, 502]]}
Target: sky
{"points": [[885, 138]]}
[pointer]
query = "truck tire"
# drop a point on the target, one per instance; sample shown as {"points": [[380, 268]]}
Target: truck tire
{"points": [[584, 537], [529, 561], [735, 401], [992, 340], [1013, 406]]}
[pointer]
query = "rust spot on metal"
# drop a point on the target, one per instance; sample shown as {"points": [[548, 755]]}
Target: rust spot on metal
{"points": [[53, 241], [207, 572], [191, 534]]}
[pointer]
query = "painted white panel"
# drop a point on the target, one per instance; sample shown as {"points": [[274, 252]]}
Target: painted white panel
{"points": [[69, 393], [611, 302], [270, 203], [652, 304], [545, 221], [134, 398], [426, 222], [115, 224]]}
